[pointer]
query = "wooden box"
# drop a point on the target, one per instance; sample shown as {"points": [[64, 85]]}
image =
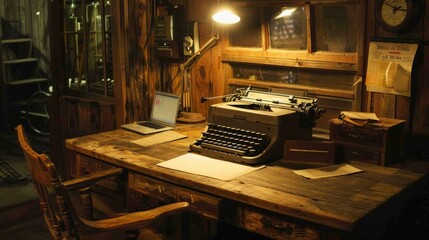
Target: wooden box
{"points": [[379, 143], [320, 153]]}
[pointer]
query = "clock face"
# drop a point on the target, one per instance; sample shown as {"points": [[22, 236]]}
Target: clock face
{"points": [[394, 12]]}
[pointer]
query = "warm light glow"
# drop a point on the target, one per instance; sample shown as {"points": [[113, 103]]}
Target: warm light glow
{"points": [[226, 17], [285, 12]]}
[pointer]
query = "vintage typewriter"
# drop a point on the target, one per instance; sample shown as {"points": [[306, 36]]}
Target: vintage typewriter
{"points": [[251, 126]]}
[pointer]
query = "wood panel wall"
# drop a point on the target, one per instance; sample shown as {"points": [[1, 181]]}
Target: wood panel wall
{"points": [[144, 72], [414, 109], [31, 19], [141, 68], [207, 74], [39, 21]]}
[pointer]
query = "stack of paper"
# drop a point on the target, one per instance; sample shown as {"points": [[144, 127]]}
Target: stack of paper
{"points": [[361, 116]]}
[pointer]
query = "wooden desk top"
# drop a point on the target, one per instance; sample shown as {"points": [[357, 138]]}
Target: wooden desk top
{"points": [[347, 203]]}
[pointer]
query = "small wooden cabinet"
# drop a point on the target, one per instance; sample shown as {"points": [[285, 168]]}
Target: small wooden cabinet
{"points": [[379, 143]]}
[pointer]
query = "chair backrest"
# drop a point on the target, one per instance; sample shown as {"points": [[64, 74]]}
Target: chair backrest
{"points": [[59, 214]]}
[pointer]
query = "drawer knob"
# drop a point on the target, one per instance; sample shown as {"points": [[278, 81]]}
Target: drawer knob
{"points": [[279, 226], [354, 135]]}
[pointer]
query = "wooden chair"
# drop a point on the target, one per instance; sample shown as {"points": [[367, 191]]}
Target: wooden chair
{"points": [[59, 211]]}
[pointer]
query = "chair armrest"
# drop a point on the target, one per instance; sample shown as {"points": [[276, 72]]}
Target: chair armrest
{"points": [[137, 219], [89, 179]]}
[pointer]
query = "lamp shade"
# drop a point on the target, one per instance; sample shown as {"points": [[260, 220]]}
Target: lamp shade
{"points": [[226, 16]]}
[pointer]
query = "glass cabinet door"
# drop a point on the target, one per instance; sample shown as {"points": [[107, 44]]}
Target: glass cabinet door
{"points": [[336, 25], [88, 46]]}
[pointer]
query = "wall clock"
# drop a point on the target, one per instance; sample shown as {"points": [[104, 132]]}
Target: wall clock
{"points": [[397, 15]]}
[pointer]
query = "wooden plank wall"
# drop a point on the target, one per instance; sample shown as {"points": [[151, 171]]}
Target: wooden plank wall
{"points": [[38, 19], [208, 80], [31, 19], [15, 10], [142, 73], [207, 74], [421, 115], [415, 109], [143, 70]]}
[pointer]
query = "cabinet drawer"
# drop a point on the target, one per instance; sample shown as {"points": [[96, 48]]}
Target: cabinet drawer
{"points": [[112, 187], [90, 165], [379, 143], [201, 203], [368, 138], [351, 153], [276, 227]]}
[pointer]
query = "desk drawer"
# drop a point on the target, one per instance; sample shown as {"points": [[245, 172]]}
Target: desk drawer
{"points": [[276, 227], [113, 187], [351, 153], [369, 138], [202, 204], [86, 165], [378, 143]]}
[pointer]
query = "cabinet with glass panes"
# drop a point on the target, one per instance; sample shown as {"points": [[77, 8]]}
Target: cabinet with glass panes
{"points": [[307, 48], [88, 48]]}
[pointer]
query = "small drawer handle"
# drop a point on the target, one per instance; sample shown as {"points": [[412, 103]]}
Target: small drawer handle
{"points": [[280, 227], [353, 135], [354, 153]]}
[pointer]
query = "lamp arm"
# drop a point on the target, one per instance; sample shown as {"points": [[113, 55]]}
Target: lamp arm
{"points": [[187, 66]]}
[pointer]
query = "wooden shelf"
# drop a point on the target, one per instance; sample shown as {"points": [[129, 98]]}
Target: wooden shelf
{"points": [[21, 60], [342, 93], [313, 61], [17, 40], [26, 81]]}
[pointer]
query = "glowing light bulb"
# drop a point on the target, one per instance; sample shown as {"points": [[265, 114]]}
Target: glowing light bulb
{"points": [[226, 17]]}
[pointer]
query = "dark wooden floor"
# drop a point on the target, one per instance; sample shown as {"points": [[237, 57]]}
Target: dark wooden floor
{"points": [[20, 217], [30, 229]]}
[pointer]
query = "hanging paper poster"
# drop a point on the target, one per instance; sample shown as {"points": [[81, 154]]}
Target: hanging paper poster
{"points": [[389, 67]]}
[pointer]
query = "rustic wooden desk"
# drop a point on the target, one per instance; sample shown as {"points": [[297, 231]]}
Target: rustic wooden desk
{"points": [[273, 201]]}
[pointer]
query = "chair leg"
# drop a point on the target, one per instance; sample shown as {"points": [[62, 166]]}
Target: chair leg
{"points": [[86, 201], [132, 234], [185, 225]]}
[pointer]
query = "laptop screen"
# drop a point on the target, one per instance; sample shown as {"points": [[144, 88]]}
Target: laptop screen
{"points": [[165, 108]]}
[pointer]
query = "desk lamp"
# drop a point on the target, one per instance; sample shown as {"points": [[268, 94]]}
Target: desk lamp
{"points": [[224, 16]]}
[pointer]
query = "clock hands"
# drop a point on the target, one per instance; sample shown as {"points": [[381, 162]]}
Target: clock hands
{"points": [[390, 5], [397, 15], [401, 9], [395, 8]]}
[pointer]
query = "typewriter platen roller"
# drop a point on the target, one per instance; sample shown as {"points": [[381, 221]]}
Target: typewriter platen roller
{"points": [[251, 127]]}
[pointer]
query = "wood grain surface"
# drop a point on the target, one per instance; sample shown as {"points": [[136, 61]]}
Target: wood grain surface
{"points": [[350, 203]]}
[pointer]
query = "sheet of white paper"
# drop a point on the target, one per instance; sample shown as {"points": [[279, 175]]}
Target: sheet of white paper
{"points": [[329, 171], [360, 115], [209, 167], [158, 138]]}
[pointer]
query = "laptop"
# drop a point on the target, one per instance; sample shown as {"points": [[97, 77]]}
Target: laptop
{"points": [[163, 116]]}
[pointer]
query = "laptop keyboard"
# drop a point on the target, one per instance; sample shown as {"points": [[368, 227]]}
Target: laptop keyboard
{"points": [[151, 125]]}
